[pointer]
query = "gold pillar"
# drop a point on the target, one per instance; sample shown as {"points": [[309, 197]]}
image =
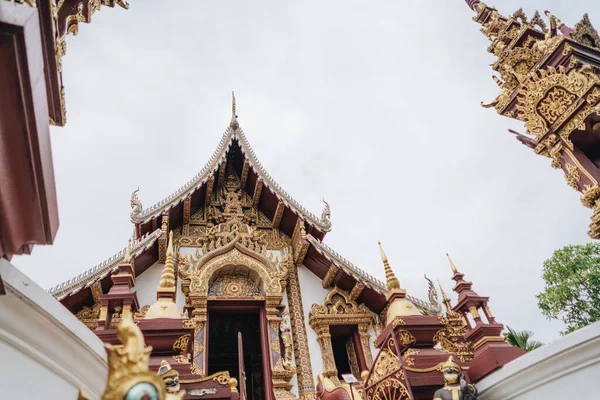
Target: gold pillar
{"points": [[365, 340], [306, 383], [324, 339]]}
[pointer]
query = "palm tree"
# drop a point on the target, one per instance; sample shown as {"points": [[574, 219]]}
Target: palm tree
{"points": [[522, 339]]}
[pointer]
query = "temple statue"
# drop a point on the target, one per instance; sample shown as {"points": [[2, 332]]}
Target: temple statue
{"points": [[169, 376], [286, 337], [456, 388]]}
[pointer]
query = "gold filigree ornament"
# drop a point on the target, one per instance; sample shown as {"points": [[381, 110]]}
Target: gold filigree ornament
{"points": [[549, 97], [585, 33], [128, 375], [572, 176]]}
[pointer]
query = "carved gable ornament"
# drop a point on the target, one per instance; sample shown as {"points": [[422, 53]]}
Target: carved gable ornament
{"points": [[548, 98], [585, 33], [337, 308]]}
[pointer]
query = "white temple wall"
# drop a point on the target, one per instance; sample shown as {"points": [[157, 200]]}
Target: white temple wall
{"points": [[374, 351], [564, 369], [148, 281], [45, 351], [312, 291]]}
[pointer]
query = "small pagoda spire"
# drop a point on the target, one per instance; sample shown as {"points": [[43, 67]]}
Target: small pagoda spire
{"points": [[398, 304], [234, 124], [166, 292], [392, 282], [167, 280], [454, 270], [445, 298]]}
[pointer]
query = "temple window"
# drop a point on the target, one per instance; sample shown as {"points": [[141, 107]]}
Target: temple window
{"points": [[342, 332]]}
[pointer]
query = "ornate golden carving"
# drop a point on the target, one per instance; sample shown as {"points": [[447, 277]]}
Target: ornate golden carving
{"points": [[585, 33], [182, 358], [181, 344], [339, 309], [90, 315], [386, 363], [546, 97], [352, 359], [330, 276], [555, 103], [405, 337], [387, 380], [591, 194], [234, 286], [128, 368], [356, 290], [572, 176]]}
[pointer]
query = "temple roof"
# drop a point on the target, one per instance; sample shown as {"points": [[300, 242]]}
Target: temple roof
{"points": [[230, 137], [100, 271], [234, 154]]}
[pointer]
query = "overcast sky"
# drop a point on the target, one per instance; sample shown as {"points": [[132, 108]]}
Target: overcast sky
{"points": [[373, 107]]}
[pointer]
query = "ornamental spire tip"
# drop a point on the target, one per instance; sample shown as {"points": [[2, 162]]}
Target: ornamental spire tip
{"points": [[392, 282], [454, 270], [234, 124]]}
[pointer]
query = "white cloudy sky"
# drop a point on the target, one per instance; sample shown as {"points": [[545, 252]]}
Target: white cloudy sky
{"points": [[374, 107]]}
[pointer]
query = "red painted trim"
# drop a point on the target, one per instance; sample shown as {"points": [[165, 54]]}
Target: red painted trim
{"points": [[362, 362]]}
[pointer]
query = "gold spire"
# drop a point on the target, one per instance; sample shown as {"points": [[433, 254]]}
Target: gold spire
{"points": [[234, 122], [127, 257], [166, 293], [392, 281], [454, 270], [167, 280], [444, 297]]}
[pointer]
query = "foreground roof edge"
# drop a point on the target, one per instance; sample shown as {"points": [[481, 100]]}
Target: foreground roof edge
{"points": [[364, 277], [98, 272], [323, 224]]}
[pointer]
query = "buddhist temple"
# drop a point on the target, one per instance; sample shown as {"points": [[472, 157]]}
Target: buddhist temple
{"points": [[232, 254], [227, 290]]}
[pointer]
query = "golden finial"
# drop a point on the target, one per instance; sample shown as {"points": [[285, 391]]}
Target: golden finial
{"points": [[167, 280], [444, 297], [234, 122], [127, 258], [166, 293], [454, 270], [392, 281]]}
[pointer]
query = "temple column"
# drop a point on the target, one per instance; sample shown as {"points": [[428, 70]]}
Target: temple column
{"points": [[365, 340], [198, 322], [324, 340], [306, 384], [282, 371]]}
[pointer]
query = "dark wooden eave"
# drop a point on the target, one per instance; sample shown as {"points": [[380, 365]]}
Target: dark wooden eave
{"points": [[28, 207]]}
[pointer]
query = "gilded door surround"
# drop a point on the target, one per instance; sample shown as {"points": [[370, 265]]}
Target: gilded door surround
{"points": [[239, 255], [339, 309]]}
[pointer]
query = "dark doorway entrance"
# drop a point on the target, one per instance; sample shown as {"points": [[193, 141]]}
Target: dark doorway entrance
{"points": [[223, 327], [340, 354]]}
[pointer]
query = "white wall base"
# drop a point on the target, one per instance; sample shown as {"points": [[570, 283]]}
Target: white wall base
{"points": [[45, 352], [567, 368]]}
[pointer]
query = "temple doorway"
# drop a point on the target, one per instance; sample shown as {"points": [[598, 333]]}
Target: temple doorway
{"points": [[223, 328], [346, 347]]}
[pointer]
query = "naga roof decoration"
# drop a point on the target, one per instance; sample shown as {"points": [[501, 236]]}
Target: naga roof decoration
{"points": [[219, 156], [95, 274], [365, 278]]}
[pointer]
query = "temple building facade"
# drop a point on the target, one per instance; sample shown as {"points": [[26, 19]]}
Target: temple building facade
{"points": [[229, 280]]}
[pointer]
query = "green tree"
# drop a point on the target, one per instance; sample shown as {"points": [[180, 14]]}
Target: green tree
{"points": [[521, 339], [572, 289]]}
